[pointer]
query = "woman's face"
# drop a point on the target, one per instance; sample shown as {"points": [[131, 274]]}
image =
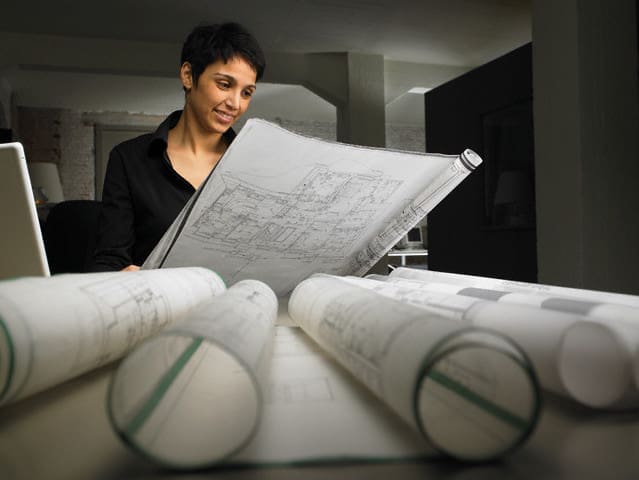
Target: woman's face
{"points": [[222, 94]]}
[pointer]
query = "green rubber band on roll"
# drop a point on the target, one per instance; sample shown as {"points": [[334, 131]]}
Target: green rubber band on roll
{"points": [[11, 355], [479, 401], [161, 388]]}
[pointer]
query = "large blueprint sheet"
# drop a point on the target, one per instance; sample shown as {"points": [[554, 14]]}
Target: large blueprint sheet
{"points": [[280, 206]]}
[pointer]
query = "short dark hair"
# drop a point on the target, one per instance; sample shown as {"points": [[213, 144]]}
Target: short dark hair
{"points": [[206, 44]]}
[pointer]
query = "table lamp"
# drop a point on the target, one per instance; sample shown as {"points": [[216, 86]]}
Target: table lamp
{"points": [[514, 202], [45, 182]]}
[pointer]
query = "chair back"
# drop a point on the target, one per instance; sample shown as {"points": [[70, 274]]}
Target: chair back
{"points": [[70, 235]]}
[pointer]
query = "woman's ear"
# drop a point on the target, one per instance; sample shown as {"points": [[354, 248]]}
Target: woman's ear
{"points": [[186, 76]]}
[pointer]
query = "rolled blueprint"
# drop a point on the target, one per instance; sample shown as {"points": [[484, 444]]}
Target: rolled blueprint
{"points": [[602, 372], [190, 396], [471, 392], [546, 296], [55, 328], [599, 362], [537, 332]]}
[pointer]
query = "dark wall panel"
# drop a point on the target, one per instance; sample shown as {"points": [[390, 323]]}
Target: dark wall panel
{"points": [[486, 226]]}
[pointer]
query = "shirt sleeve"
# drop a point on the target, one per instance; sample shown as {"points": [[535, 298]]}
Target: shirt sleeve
{"points": [[116, 229]]}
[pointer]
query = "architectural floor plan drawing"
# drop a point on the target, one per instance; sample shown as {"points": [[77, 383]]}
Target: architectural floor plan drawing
{"points": [[132, 310], [281, 206], [326, 217]]}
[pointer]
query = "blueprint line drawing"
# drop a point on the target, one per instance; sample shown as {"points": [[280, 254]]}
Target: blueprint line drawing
{"points": [[53, 329], [136, 311], [301, 390], [314, 411], [280, 206], [321, 224]]}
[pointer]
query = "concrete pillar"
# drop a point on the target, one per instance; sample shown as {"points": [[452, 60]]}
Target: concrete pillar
{"points": [[586, 123], [354, 83], [362, 119]]}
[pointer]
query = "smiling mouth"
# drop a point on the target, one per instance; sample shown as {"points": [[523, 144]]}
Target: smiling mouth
{"points": [[224, 116]]}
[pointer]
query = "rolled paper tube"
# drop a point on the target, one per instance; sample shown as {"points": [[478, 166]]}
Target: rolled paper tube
{"points": [[597, 362], [537, 331], [544, 291], [55, 328], [376, 276], [456, 410], [585, 350], [191, 396], [471, 392]]}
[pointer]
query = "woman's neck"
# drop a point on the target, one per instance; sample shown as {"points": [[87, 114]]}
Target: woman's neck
{"points": [[193, 153], [188, 135]]}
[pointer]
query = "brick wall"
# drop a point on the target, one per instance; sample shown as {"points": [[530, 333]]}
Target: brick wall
{"points": [[67, 138]]}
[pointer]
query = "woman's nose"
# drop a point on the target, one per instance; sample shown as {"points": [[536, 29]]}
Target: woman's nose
{"points": [[233, 99]]}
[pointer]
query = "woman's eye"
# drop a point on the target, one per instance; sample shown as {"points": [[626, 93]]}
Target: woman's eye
{"points": [[248, 93], [223, 85]]}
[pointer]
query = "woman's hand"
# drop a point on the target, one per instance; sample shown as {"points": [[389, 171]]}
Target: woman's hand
{"points": [[130, 268]]}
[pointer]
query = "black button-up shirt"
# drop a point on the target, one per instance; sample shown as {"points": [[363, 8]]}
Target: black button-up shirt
{"points": [[141, 197]]}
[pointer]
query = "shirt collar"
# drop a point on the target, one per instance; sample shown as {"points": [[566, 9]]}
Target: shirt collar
{"points": [[160, 137]]}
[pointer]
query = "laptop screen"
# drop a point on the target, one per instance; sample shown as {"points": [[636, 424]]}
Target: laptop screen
{"points": [[21, 245]]}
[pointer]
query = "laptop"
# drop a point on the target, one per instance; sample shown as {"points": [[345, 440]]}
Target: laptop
{"points": [[22, 250]]}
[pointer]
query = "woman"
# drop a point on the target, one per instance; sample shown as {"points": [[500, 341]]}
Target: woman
{"points": [[150, 178]]}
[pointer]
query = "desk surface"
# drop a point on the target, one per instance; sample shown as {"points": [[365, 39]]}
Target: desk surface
{"points": [[64, 433]]}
